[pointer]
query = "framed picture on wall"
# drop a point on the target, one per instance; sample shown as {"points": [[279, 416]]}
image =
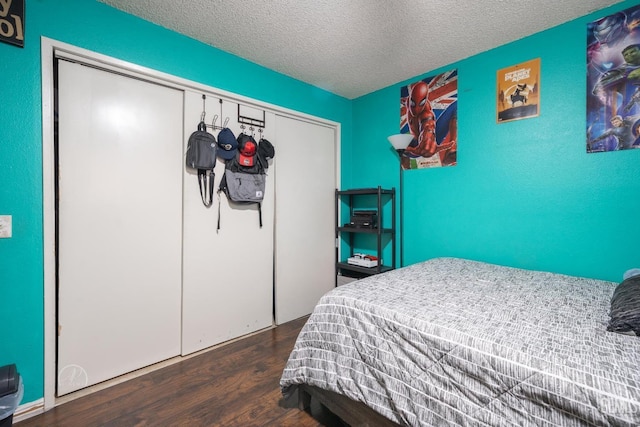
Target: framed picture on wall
{"points": [[12, 22], [518, 91], [613, 82]]}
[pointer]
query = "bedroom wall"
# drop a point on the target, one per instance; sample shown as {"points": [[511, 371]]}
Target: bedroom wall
{"points": [[524, 193], [95, 26]]}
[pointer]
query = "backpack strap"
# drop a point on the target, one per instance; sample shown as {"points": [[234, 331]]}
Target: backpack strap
{"points": [[259, 214], [221, 188], [218, 228], [205, 182]]}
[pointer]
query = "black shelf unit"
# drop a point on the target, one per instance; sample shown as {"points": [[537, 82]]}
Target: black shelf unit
{"points": [[383, 228]]}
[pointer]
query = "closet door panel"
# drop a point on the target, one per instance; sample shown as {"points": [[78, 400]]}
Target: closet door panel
{"points": [[305, 235], [119, 224], [227, 273]]}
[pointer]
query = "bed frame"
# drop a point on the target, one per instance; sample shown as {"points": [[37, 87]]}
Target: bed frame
{"points": [[355, 414]]}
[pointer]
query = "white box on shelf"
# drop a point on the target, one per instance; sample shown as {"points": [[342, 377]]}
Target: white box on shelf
{"points": [[362, 260]]}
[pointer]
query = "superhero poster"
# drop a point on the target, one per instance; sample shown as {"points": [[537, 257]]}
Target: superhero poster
{"points": [[519, 91], [613, 82], [428, 111]]}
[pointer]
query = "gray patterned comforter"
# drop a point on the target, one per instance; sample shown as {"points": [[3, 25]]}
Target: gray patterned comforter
{"points": [[457, 342]]}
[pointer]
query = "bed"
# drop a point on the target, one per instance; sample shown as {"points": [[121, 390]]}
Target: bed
{"points": [[458, 342]]}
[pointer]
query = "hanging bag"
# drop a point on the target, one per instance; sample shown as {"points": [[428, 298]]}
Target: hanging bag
{"points": [[201, 155], [244, 187], [245, 175]]}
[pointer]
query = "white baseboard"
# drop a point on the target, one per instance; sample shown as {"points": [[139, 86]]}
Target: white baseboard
{"points": [[28, 410]]}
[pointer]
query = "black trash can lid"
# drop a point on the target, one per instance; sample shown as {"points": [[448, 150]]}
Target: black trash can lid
{"points": [[9, 379]]}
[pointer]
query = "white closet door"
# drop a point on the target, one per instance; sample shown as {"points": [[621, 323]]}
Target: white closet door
{"points": [[305, 233], [227, 273], [120, 216]]}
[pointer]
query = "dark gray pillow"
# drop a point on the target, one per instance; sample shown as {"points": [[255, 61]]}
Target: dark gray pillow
{"points": [[625, 307]]}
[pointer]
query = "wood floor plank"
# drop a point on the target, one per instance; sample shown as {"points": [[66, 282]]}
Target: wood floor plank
{"points": [[234, 385]]}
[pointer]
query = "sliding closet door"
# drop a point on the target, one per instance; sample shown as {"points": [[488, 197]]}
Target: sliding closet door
{"points": [[227, 272], [119, 217], [305, 234]]}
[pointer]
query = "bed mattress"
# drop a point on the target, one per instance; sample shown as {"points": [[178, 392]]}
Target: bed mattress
{"points": [[458, 342]]}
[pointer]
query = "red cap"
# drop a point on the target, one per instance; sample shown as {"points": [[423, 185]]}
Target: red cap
{"points": [[247, 154]]}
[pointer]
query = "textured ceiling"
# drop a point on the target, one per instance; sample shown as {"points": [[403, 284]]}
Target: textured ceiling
{"points": [[354, 47]]}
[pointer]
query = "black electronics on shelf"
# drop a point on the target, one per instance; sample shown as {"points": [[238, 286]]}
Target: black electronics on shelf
{"points": [[365, 218]]}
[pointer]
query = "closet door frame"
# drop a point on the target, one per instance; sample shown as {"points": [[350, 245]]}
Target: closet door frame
{"points": [[51, 49]]}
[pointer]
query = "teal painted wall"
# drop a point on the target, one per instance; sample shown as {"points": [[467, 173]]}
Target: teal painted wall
{"points": [[524, 193], [95, 26]]}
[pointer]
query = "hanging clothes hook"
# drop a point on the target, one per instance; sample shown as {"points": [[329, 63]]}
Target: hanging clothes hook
{"points": [[204, 113], [222, 115], [213, 122], [226, 122]]}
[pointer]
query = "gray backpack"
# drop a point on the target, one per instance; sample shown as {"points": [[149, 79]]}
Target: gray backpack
{"points": [[240, 186], [201, 155], [245, 175]]}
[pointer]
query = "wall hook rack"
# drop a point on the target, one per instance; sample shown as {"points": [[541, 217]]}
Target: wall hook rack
{"points": [[251, 116]]}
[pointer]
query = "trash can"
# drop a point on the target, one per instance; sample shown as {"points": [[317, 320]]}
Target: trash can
{"points": [[11, 391]]}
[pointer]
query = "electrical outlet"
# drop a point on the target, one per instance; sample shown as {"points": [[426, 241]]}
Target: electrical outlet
{"points": [[5, 226]]}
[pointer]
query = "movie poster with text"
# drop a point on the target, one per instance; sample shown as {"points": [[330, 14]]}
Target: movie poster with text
{"points": [[428, 111], [613, 82], [519, 91]]}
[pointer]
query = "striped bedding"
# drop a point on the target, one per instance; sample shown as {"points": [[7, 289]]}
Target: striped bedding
{"points": [[458, 342]]}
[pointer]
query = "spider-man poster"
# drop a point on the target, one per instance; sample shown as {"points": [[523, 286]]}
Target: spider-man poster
{"points": [[613, 82], [428, 111]]}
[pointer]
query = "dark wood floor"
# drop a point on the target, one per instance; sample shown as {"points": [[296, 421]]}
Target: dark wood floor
{"points": [[234, 385]]}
